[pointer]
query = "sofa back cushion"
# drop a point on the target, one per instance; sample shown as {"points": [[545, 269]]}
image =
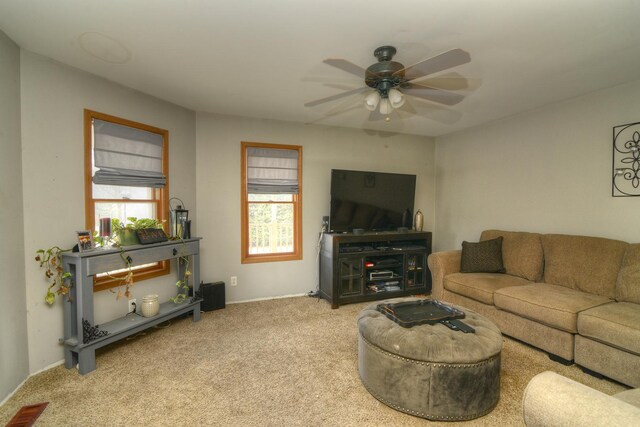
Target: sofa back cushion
{"points": [[522, 254], [628, 286], [589, 264]]}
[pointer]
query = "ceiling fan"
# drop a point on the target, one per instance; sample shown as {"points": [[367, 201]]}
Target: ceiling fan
{"points": [[389, 82]]}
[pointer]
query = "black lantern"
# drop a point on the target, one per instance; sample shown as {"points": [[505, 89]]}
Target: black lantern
{"points": [[180, 219]]}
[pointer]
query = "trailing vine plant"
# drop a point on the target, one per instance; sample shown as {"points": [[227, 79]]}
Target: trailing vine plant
{"points": [[51, 260], [183, 283]]}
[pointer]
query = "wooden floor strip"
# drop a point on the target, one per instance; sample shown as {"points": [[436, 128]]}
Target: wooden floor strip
{"points": [[27, 415]]}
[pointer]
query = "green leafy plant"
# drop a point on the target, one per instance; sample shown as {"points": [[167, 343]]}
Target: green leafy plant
{"points": [[134, 224], [51, 260], [125, 233]]}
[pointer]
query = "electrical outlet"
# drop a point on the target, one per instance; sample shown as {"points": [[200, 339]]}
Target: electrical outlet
{"points": [[132, 305], [325, 223], [234, 280]]}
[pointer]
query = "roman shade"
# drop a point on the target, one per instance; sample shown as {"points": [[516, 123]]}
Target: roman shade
{"points": [[127, 156], [272, 171]]}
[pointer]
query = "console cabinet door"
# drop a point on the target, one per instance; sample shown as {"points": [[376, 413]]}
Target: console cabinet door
{"points": [[351, 275], [415, 268]]}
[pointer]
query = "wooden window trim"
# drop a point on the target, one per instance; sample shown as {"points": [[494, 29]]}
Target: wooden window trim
{"points": [[161, 201], [247, 258]]}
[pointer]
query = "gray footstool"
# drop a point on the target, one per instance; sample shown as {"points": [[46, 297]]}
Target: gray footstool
{"points": [[430, 371]]}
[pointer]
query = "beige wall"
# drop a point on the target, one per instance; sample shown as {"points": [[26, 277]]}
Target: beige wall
{"points": [[548, 171], [14, 364], [53, 99], [218, 191]]}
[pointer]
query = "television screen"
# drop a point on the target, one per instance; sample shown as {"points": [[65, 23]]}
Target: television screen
{"points": [[373, 201]]}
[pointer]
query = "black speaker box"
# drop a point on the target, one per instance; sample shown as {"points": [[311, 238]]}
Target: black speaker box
{"points": [[212, 296]]}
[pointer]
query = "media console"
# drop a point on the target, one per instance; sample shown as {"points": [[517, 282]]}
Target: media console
{"points": [[371, 266]]}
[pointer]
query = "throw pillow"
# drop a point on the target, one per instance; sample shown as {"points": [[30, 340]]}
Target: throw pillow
{"points": [[482, 257]]}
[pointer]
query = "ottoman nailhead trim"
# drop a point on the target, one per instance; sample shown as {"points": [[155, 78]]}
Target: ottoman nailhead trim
{"points": [[420, 362], [422, 414], [434, 364]]}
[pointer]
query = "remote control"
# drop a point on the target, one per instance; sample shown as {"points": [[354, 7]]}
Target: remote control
{"points": [[458, 325]]}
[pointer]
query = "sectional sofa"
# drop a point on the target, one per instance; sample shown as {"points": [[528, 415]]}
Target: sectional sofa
{"points": [[575, 297], [553, 400]]}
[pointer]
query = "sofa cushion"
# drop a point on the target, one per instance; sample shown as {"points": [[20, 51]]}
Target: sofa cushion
{"points": [[480, 286], [482, 257], [616, 324], [552, 305], [521, 253], [588, 264], [628, 285]]}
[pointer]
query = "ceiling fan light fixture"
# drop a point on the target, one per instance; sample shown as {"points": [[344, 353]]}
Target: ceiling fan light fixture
{"points": [[396, 98], [371, 101], [385, 106]]}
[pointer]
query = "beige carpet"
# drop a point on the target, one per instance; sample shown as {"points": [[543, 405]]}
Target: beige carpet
{"points": [[287, 362]]}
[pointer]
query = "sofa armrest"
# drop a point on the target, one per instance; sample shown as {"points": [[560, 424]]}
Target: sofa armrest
{"points": [[553, 400], [441, 264]]}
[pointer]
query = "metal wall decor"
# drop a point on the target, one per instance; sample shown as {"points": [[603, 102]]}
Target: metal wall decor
{"points": [[626, 160]]}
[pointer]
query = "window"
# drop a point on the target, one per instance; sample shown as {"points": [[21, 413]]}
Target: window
{"points": [[271, 202], [126, 170]]}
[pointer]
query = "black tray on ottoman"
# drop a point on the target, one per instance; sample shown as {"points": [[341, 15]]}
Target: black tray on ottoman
{"points": [[413, 313]]}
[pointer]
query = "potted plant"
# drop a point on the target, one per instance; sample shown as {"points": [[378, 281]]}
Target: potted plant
{"points": [[125, 234]]}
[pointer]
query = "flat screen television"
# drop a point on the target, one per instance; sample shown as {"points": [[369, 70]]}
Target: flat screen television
{"points": [[373, 201]]}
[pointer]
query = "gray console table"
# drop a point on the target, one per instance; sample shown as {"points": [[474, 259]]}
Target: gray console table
{"points": [[78, 308]]}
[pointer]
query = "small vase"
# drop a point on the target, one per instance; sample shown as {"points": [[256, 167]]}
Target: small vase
{"points": [[150, 305], [418, 221]]}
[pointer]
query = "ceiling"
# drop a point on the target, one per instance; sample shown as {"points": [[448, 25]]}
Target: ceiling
{"points": [[263, 59]]}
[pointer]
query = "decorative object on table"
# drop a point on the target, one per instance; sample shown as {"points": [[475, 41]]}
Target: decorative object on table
{"points": [[105, 230], [186, 233], [179, 218], [85, 240], [150, 305], [418, 221], [626, 160], [91, 333], [51, 260], [151, 235], [126, 233]]}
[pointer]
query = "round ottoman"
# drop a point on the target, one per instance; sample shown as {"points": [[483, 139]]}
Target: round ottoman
{"points": [[430, 371]]}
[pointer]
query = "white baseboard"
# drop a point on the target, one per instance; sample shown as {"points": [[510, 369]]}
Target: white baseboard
{"points": [[266, 298], [46, 368]]}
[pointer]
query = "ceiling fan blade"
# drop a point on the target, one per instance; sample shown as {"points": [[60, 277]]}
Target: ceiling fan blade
{"points": [[449, 81], [433, 111], [347, 66], [444, 61], [339, 86], [432, 94], [407, 108], [337, 96], [375, 115]]}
